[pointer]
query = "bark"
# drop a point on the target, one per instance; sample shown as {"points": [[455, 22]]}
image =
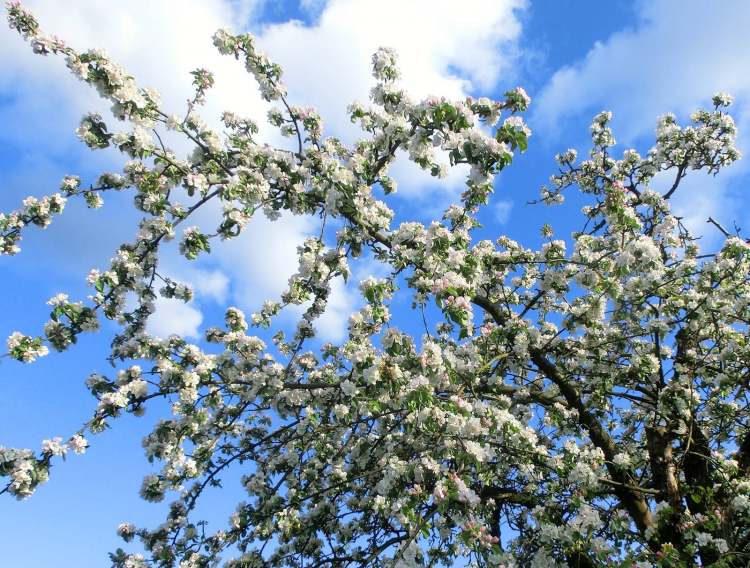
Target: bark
{"points": [[743, 453], [580, 560], [663, 473]]}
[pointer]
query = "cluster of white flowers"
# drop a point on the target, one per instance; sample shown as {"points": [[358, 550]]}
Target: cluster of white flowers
{"points": [[267, 74], [23, 470], [24, 348], [35, 211]]}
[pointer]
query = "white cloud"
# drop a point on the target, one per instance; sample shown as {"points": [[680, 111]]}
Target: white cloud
{"points": [[207, 284], [443, 50], [159, 50], [260, 262], [343, 301], [174, 317], [502, 211], [212, 284], [678, 55]]}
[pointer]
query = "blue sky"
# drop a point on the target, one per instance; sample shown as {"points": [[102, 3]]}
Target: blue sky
{"points": [[575, 58]]}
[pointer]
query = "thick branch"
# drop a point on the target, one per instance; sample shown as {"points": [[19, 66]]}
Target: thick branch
{"points": [[633, 501]]}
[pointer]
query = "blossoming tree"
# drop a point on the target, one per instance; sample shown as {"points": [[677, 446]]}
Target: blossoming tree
{"points": [[582, 407]]}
